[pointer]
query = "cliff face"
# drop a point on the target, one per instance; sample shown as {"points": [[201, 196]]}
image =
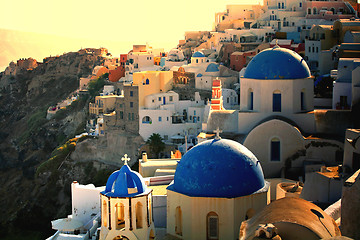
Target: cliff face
{"points": [[27, 139]]}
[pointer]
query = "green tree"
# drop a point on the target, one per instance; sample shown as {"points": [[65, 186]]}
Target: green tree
{"points": [[156, 144]]}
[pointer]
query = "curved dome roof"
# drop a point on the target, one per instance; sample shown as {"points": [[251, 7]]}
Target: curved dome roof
{"points": [[218, 168], [212, 67], [124, 183], [198, 54], [277, 63]]}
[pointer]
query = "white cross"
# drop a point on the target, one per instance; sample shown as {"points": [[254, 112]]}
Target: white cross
{"points": [[217, 131], [125, 159]]}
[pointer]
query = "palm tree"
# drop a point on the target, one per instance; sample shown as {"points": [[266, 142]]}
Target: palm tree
{"points": [[156, 144]]}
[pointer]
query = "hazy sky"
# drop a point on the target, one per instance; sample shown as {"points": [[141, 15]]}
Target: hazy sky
{"points": [[158, 22]]}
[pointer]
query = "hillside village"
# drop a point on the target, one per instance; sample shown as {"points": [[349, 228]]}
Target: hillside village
{"points": [[274, 88]]}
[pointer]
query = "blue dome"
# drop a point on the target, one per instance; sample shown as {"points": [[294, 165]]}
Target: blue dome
{"points": [[277, 63], [199, 75], [218, 168], [198, 54], [121, 181], [212, 67]]}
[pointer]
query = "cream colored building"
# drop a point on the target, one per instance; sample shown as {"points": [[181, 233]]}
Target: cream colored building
{"points": [[126, 207], [217, 185]]}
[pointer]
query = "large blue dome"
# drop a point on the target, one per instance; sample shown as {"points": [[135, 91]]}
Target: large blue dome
{"points": [[277, 63], [218, 168]]}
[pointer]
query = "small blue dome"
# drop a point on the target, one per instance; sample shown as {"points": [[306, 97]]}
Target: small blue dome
{"points": [[218, 168], [121, 181], [199, 75], [277, 63], [212, 67], [198, 54]]}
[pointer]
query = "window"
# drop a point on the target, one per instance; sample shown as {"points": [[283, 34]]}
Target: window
{"points": [[146, 119], [309, 10], [197, 60], [317, 49], [212, 226], [300, 4], [198, 118], [309, 49], [129, 116], [159, 99], [147, 81], [275, 150], [251, 100], [277, 101], [131, 93], [160, 119], [167, 118], [120, 216], [153, 100], [194, 112], [314, 10], [171, 98], [121, 115], [104, 211], [131, 104], [132, 116], [139, 215], [178, 221]]}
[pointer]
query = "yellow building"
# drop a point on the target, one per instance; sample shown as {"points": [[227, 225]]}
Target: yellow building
{"points": [[103, 104], [324, 34], [150, 82]]}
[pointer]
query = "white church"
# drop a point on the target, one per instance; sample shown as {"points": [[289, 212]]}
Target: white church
{"points": [[276, 108]]}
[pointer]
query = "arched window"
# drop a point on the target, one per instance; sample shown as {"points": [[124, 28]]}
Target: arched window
{"points": [[147, 120], [120, 216], [178, 221], [197, 60], [275, 149], [147, 81], [309, 11], [277, 101], [212, 226], [302, 100], [333, 10], [139, 215], [250, 99], [314, 10], [105, 214]]}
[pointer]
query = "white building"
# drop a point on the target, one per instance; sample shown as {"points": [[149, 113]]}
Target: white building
{"points": [[346, 82], [276, 106], [165, 114], [126, 207]]}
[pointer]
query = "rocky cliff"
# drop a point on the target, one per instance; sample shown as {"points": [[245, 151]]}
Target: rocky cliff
{"points": [[29, 199]]}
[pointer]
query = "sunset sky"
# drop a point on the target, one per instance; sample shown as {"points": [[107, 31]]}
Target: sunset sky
{"points": [[49, 27], [139, 21]]}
